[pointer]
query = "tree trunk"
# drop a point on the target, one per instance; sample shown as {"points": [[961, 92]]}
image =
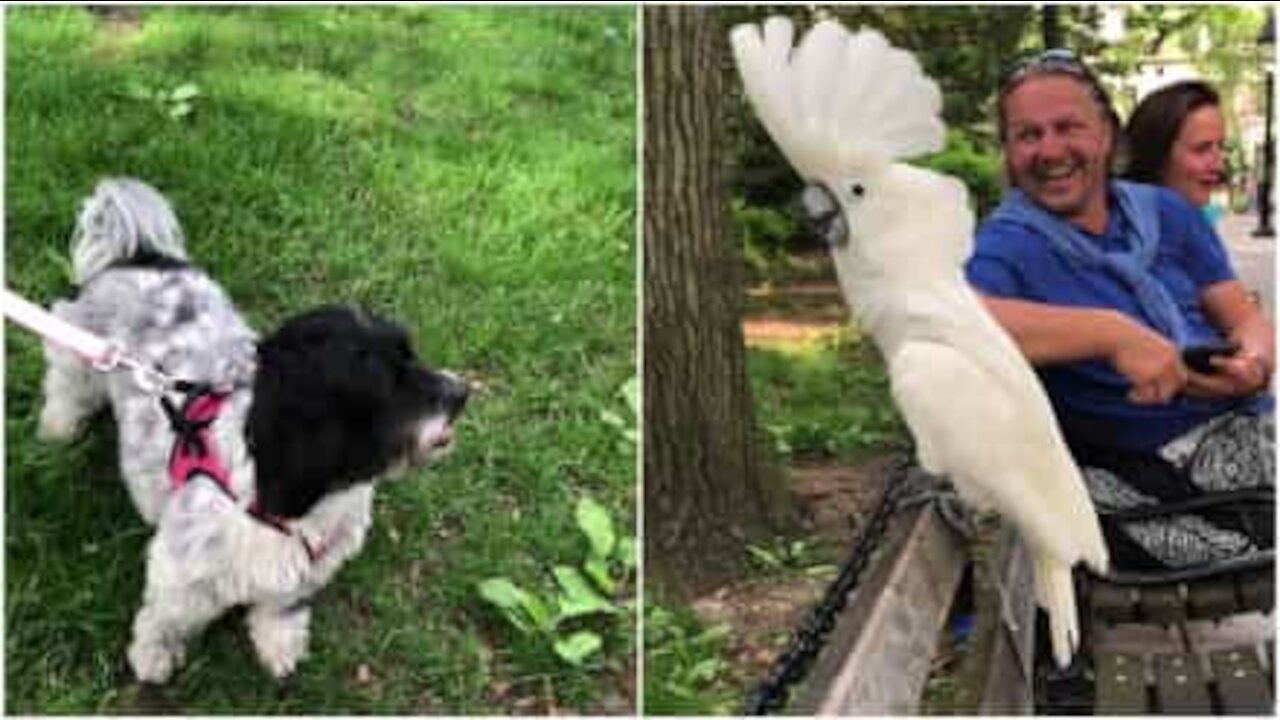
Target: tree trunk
{"points": [[1051, 27], [707, 489]]}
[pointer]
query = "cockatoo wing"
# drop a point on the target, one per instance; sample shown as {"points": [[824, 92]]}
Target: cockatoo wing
{"points": [[839, 100], [999, 445]]}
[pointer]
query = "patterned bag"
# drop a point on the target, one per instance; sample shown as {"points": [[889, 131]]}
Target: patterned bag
{"points": [[1206, 498]]}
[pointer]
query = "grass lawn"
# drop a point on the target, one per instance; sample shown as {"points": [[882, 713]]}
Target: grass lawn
{"points": [[825, 400], [468, 171]]}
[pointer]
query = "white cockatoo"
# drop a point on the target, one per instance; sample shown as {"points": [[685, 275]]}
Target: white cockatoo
{"points": [[843, 108]]}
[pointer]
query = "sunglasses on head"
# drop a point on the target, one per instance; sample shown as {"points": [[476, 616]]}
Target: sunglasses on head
{"points": [[1055, 61]]}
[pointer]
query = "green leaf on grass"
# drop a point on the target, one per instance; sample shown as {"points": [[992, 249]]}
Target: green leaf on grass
{"points": [[183, 92], [706, 669], [626, 552], [58, 258], [764, 557], [596, 525], [521, 608], [821, 570], [137, 91], [597, 568], [630, 392], [179, 111], [577, 596], [579, 646]]}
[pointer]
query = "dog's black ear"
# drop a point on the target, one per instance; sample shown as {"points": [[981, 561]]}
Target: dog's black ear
{"points": [[323, 410]]}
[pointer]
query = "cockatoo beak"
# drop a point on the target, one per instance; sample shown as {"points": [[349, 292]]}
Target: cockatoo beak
{"points": [[821, 215]]}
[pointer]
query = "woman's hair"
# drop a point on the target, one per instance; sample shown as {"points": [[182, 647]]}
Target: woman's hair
{"points": [[1155, 124]]}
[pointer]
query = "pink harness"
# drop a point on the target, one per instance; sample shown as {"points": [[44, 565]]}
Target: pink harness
{"points": [[195, 454]]}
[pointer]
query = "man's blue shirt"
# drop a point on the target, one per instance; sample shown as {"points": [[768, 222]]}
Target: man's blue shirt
{"points": [[1012, 260]]}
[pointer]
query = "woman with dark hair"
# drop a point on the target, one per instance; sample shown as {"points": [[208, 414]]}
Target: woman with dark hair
{"points": [[1175, 138]]}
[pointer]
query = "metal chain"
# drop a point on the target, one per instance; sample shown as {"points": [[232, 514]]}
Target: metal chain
{"points": [[808, 640]]}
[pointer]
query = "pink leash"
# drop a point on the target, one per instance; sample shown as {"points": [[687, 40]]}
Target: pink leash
{"points": [[100, 353], [104, 355]]}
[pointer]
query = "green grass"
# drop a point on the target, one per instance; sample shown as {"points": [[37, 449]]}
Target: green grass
{"points": [[825, 400], [686, 672], [468, 171]]}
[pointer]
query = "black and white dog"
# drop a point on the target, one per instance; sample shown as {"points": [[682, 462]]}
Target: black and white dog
{"points": [[258, 475]]}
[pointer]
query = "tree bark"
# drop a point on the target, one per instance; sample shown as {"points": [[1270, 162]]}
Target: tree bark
{"points": [[707, 488], [1051, 27]]}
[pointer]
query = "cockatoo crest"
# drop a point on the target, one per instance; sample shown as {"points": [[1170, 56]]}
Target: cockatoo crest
{"points": [[837, 104]]}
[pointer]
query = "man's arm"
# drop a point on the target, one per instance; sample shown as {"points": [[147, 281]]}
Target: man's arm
{"points": [[1050, 334]]}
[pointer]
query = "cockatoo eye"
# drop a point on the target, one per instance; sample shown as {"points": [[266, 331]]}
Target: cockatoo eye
{"points": [[858, 190], [822, 215]]}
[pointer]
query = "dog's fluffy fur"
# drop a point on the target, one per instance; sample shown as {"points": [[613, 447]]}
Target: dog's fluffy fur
{"points": [[332, 400]]}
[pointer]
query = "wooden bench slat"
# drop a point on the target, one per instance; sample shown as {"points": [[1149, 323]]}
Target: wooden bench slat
{"points": [[993, 677], [878, 657], [1205, 636], [1113, 603], [1136, 638], [1211, 598], [1258, 590], [1120, 683], [1180, 685], [1242, 686], [1164, 604], [1271, 663]]}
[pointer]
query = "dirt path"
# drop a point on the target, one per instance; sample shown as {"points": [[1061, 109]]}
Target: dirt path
{"points": [[798, 312], [761, 612]]}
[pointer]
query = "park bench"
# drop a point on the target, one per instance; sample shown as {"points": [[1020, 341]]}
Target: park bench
{"points": [[1152, 644], [1196, 641], [1197, 646]]}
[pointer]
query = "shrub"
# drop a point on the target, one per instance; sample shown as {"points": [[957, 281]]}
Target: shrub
{"points": [[977, 169], [763, 231]]}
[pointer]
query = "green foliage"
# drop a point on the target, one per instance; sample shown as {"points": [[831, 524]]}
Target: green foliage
{"points": [[825, 400], [685, 670], [174, 104], [548, 618], [629, 393], [596, 524], [576, 648], [527, 612], [979, 170], [764, 233], [1219, 41], [783, 554]]}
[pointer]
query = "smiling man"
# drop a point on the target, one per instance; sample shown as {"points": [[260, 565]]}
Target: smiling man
{"points": [[1107, 285]]}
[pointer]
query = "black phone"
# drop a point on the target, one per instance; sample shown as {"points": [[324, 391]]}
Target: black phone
{"points": [[1197, 357]]}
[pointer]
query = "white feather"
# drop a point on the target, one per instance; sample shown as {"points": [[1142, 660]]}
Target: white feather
{"points": [[838, 100], [842, 107]]}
